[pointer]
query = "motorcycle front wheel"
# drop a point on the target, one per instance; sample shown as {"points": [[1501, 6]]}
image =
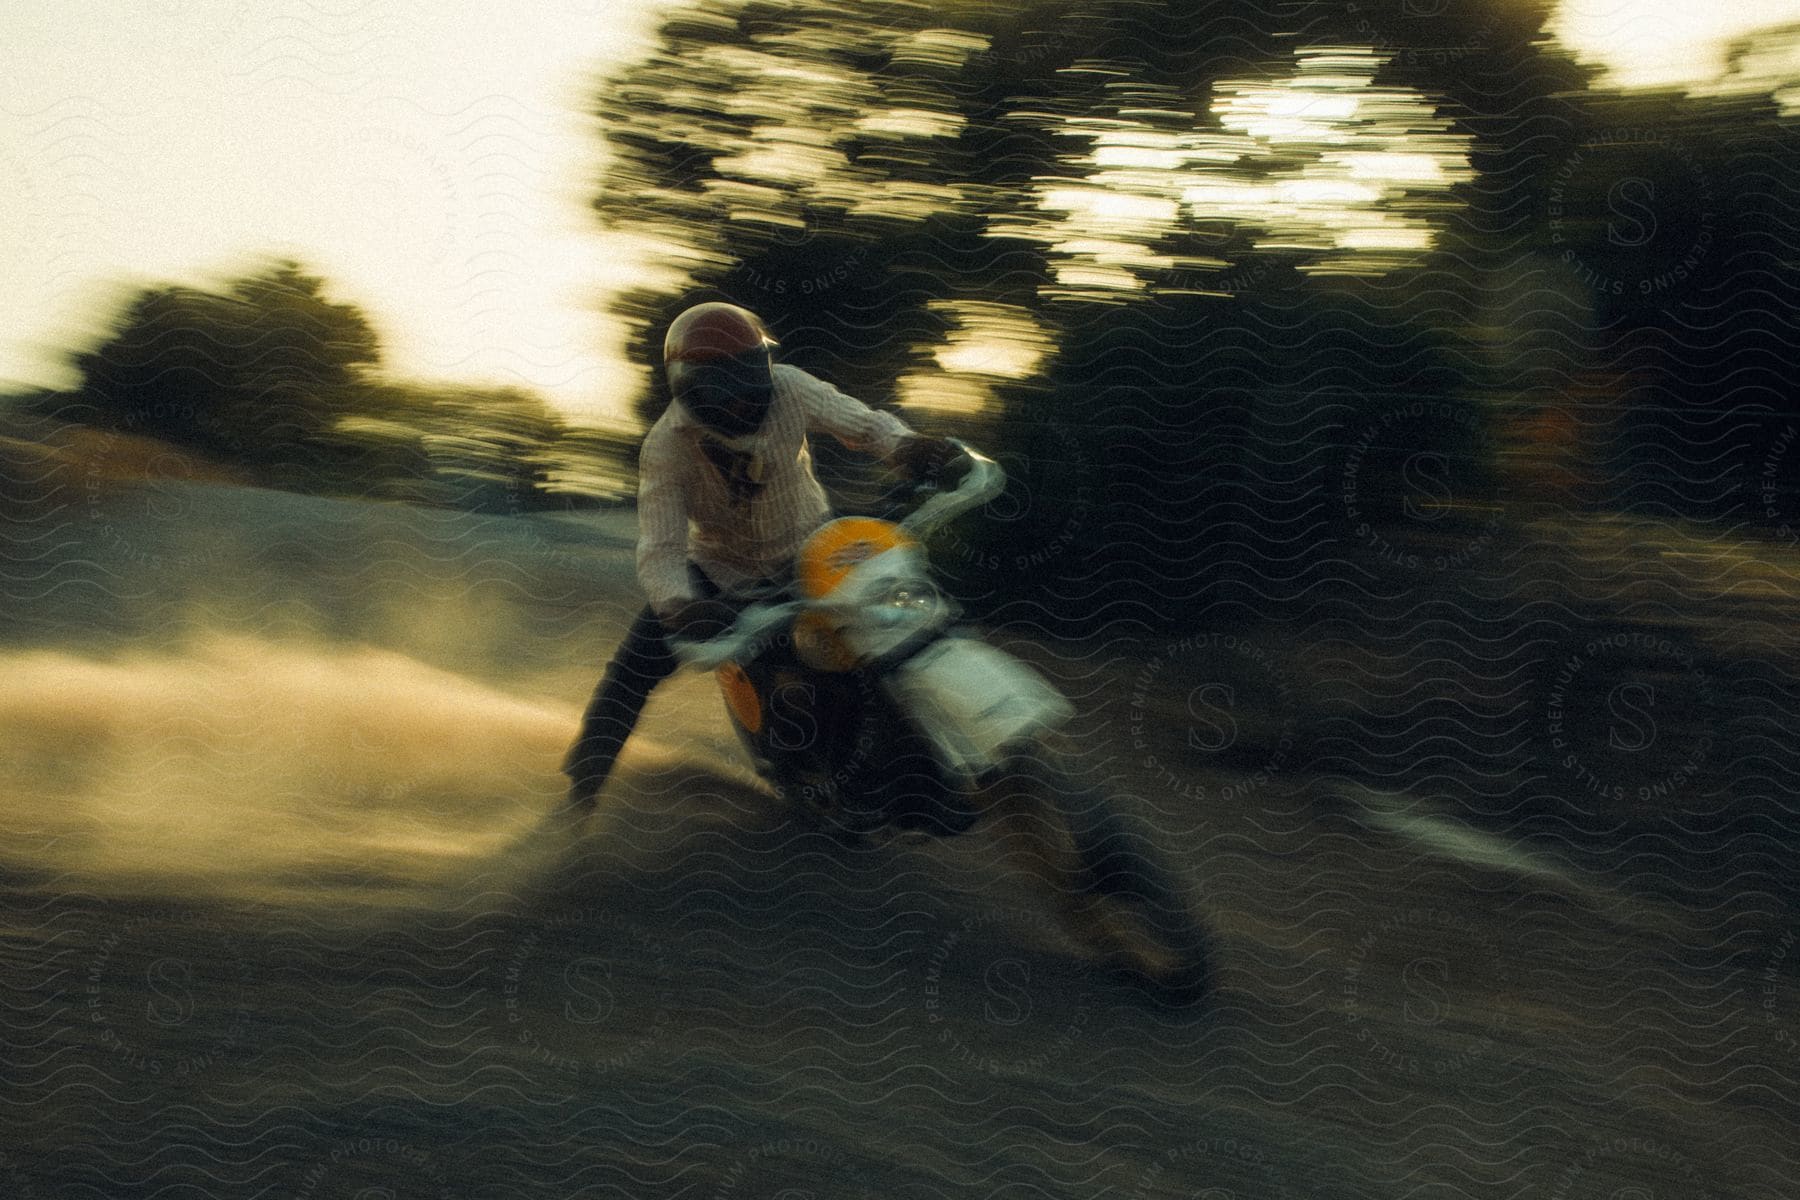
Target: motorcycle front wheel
{"points": [[1107, 877]]}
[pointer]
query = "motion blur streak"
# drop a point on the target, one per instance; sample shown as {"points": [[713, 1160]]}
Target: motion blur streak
{"points": [[239, 759]]}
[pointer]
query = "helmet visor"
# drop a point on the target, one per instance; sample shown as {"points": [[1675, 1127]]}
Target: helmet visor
{"points": [[728, 394]]}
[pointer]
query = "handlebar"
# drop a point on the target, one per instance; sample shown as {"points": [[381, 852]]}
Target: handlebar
{"points": [[753, 624], [985, 480]]}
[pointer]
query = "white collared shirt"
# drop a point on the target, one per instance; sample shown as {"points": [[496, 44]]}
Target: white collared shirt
{"points": [[686, 508]]}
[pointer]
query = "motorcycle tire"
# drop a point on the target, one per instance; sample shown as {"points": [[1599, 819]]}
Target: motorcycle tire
{"points": [[1120, 861]]}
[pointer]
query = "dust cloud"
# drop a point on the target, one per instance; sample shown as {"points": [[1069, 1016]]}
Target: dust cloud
{"points": [[238, 762]]}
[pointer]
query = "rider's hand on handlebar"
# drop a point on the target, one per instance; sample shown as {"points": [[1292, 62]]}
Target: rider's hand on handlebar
{"points": [[698, 620], [924, 457]]}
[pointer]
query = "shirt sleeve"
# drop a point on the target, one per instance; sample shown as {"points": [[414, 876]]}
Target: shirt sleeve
{"points": [[847, 419], [662, 526]]}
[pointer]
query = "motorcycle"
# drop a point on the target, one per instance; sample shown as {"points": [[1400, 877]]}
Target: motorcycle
{"points": [[863, 700]]}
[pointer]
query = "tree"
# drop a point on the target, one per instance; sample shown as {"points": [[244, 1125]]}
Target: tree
{"points": [[260, 371], [267, 373], [1191, 252]]}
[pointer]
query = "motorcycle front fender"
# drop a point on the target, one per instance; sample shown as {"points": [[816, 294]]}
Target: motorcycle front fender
{"points": [[974, 702]]}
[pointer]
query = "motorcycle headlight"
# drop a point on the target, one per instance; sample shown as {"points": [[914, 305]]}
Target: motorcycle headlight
{"points": [[913, 596]]}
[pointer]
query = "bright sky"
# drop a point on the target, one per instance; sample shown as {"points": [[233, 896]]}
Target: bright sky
{"points": [[1646, 43], [432, 158]]}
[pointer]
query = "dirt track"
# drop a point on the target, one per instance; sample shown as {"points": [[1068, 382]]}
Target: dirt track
{"points": [[255, 946]]}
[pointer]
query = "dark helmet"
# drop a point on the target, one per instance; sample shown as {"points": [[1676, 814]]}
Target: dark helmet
{"points": [[719, 367]]}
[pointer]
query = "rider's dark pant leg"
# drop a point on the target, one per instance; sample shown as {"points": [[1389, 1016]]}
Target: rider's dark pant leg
{"points": [[642, 661]]}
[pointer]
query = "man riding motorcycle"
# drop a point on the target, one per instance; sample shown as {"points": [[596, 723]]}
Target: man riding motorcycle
{"points": [[726, 499], [726, 496]]}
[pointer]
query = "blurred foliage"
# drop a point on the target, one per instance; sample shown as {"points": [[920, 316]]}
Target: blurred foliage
{"points": [[476, 448], [254, 372], [267, 375], [1175, 258]]}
